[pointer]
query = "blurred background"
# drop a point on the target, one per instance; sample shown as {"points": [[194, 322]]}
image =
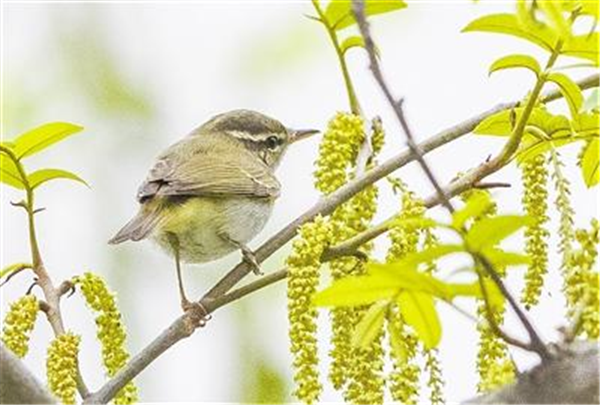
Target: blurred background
{"points": [[139, 76]]}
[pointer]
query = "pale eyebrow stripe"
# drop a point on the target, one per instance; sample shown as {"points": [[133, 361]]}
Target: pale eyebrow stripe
{"points": [[246, 136]]}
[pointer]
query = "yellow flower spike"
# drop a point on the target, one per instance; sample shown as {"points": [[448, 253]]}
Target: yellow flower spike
{"points": [[435, 382], [582, 288], [535, 177], [338, 151], [366, 376], [61, 367], [494, 366], [303, 278], [404, 378], [19, 323], [110, 330], [335, 165]]}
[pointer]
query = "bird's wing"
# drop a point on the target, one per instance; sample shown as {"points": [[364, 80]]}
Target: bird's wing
{"points": [[200, 170]]}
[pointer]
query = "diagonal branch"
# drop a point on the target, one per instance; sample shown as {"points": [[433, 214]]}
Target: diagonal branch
{"points": [[218, 296], [358, 7]]}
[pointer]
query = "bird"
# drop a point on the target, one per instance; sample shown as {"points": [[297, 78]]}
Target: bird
{"points": [[212, 192]]}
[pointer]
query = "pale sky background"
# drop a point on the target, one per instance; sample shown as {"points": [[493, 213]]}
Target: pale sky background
{"points": [[139, 76]]}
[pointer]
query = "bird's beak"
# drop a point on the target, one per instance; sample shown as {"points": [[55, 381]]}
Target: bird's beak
{"points": [[300, 134]]}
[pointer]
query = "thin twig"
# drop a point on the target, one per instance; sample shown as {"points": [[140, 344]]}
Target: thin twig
{"points": [[358, 6]]}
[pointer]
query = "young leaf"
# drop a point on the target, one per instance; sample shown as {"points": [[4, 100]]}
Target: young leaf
{"points": [[494, 295], [412, 260], [590, 162], [42, 137], [498, 124], [418, 310], [370, 325], [570, 90], [9, 174], [516, 61], [11, 268], [555, 15], [353, 41], [360, 290], [501, 258], [489, 231], [339, 12], [475, 207], [40, 177], [584, 46], [509, 24]]}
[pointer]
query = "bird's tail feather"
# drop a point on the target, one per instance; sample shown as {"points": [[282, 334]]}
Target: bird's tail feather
{"points": [[138, 228]]}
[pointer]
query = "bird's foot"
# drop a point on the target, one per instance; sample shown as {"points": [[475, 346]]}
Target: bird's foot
{"points": [[198, 314], [250, 258]]}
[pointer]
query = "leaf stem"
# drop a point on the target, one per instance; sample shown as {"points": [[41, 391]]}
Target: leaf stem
{"points": [[354, 104]]}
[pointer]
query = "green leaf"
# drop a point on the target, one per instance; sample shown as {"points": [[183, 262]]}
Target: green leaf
{"points": [[370, 325], [555, 15], [498, 124], [360, 290], [509, 24], [501, 258], [11, 268], [339, 12], [418, 310], [474, 208], [516, 61], [353, 41], [570, 91], [489, 231], [42, 137], [412, 260], [40, 177], [589, 163], [9, 174], [494, 295], [583, 46]]}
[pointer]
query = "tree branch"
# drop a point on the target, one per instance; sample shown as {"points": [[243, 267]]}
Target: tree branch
{"points": [[570, 378], [494, 164], [17, 384], [218, 295]]}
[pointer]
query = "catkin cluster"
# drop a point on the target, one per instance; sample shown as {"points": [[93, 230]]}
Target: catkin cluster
{"points": [[19, 323], [61, 367], [303, 278], [582, 289], [404, 377], [535, 194], [494, 365], [110, 330]]}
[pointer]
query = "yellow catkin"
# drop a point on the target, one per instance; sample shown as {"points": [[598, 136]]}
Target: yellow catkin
{"points": [[303, 279], [61, 367], [494, 365], [535, 176], [404, 378], [435, 380], [19, 323], [582, 288], [358, 372], [110, 330]]}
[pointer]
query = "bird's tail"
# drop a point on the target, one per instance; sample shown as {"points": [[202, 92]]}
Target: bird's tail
{"points": [[139, 227]]}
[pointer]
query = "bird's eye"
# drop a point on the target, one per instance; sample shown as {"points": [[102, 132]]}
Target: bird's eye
{"points": [[273, 142]]}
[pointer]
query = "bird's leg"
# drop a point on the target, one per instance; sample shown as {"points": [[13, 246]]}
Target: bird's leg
{"points": [[247, 254], [174, 242]]}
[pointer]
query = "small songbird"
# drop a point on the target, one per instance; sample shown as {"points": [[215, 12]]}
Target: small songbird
{"points": [[212, 192]]}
